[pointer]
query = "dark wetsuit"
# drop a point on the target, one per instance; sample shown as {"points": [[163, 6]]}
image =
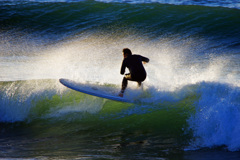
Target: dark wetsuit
{"points": [[135, 66]]}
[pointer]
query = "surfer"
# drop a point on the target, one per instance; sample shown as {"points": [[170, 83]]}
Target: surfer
{"points": [[135, 66]]}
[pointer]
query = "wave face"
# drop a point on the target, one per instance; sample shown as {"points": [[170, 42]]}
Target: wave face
{"points": [[202, 115], [190, 102]]}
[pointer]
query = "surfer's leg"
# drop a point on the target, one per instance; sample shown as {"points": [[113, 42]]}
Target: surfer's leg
{"points": [[125, 82]]}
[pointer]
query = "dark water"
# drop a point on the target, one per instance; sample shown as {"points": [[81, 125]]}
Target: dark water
{"points": [[190, 105]]}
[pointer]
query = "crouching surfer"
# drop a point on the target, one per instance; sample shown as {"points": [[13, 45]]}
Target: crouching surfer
{"points": [[135, 65]]}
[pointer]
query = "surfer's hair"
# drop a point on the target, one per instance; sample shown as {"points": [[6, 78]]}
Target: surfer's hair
{"points": [[127, 51]]}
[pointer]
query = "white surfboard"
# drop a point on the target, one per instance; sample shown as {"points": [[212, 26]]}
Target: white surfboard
{"points": [[91, 90]]}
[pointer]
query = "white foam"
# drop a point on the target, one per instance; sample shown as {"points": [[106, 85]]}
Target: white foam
{"points": [[217, 118]]}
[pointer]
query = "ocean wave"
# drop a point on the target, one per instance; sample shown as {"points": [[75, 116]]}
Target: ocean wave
{"points": [[212, 3], [150, 20], [190, 98], [208, 111]]}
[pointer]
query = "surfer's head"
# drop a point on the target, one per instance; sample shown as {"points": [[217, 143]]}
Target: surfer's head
{"points": [[126, 52]]}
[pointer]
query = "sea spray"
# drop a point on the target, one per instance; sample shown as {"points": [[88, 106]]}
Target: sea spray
{"points": [[216, 121], [18, 98]]}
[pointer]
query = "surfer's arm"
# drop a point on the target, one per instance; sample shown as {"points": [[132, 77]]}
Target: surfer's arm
{"points": [[123, 68], [145, 59]]}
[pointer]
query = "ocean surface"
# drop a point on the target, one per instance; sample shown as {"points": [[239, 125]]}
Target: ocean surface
{"points": [[189, 108]]}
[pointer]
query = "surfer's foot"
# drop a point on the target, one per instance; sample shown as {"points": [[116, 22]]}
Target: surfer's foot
{"points": [[120, 94], [139, 84]]}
